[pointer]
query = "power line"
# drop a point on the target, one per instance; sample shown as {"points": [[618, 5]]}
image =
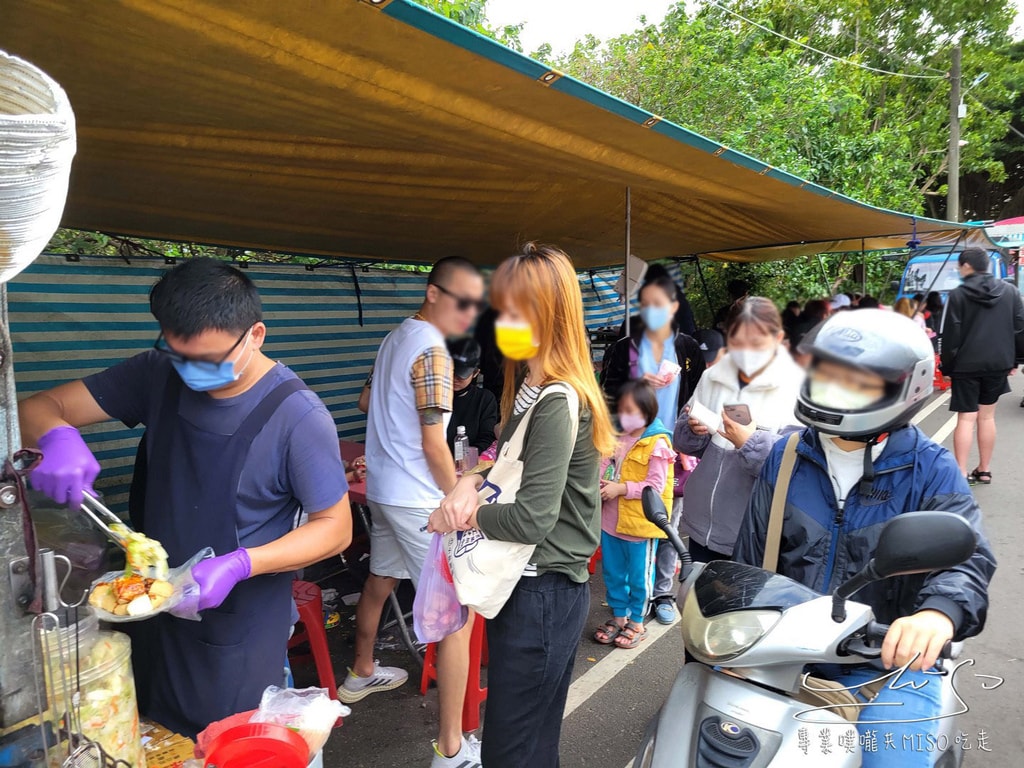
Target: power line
{"points": [[878, 48], [991, 111], [820, 52]]}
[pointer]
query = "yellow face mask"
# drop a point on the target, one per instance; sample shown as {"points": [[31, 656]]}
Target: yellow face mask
{"points": [[515, 340]]}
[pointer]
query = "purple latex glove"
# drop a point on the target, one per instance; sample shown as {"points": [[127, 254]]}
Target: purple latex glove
{"points": [[217, 576], [68, 469]]}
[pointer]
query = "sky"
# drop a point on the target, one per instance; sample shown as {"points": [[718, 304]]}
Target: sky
{"points": [[562, 22]]}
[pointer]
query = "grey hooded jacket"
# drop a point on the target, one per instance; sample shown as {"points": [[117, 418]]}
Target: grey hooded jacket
{"points": [[718, 490]]}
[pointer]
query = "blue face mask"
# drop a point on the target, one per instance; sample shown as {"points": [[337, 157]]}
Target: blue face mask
{"points": [[205, 377], [656, 318]]}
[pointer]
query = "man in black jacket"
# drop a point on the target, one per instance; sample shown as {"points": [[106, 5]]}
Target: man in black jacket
{"points": [[978, 327], [472, 406]]}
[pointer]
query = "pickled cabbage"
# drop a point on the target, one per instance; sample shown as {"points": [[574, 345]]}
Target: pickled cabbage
{"points": [[109, 712], [142, 552], [108, 709]]}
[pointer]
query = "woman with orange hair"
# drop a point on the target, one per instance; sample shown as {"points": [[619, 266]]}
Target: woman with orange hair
{"points": [[909, 308], [533, 640]]}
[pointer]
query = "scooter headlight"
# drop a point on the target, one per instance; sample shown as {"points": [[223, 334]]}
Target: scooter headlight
{"points": [[723, 637]]}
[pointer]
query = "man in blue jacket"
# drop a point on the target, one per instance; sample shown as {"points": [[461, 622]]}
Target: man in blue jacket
{"points": [[859, 464]]}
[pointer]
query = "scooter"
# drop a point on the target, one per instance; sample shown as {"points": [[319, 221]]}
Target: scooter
{"points": [[744, 700]]}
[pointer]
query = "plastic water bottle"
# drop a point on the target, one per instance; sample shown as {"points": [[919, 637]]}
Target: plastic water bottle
{"points": [[461, 450]]}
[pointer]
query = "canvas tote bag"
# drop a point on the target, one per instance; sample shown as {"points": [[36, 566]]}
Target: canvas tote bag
{"points": [[485, 571]]}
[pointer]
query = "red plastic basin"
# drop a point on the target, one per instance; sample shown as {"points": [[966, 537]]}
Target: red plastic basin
{"points": [[258, 745]]}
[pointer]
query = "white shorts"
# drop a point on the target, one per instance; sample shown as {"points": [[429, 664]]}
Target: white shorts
{"points": [[398, 546]]}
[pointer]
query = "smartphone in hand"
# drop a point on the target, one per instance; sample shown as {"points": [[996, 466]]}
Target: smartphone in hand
{"points": [[739, 412]]}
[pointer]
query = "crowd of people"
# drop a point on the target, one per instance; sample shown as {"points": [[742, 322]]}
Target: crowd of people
{"points": [[237, 445]]}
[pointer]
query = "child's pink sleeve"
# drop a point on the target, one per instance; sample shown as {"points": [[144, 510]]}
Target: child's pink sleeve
{"points": [[657, 472]]}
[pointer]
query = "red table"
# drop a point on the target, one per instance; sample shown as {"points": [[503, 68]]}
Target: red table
{"points": [[351, 450]]}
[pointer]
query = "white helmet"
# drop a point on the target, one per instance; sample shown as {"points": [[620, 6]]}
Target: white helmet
{"points": [[884, 343]]}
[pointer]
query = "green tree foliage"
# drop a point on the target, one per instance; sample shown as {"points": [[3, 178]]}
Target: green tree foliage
{"points": [[1003, 199], [473, 14], [879, 138], [876, 137]]}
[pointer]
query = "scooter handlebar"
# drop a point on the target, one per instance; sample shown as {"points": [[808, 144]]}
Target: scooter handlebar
{"points": [[874, 636]]}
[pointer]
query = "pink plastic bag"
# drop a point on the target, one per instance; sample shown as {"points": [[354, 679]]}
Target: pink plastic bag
{"points": [[436, 611], [683, 469], [491, 453]]}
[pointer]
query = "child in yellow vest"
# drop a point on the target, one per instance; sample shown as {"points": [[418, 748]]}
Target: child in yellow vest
{"points": [[643, 458]]}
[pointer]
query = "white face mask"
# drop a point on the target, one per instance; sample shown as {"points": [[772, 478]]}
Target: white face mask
{"points": [[828, 394], [750, 361]]}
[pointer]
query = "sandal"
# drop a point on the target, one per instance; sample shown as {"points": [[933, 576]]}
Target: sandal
{"points": [[630, 636], [607, 632], [985, 478]]}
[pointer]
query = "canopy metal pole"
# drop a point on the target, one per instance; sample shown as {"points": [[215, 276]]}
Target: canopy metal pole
{"points": [[704, 283], [864, 269], [629, 224], [824, 276]]}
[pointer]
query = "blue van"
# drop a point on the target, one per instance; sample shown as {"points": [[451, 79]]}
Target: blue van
{"points": [[934, 268]]}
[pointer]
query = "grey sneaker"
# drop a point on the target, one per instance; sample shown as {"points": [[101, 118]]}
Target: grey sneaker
{"points": [[467, 757], [357, 688]]}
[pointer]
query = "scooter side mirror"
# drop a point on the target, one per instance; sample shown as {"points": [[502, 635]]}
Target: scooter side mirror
{"points": [[655, 512], [914, 542], [919, 542], [654, 508]]}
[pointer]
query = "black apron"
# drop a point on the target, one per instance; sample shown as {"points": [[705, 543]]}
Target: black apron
{"points": [[189, 674]]}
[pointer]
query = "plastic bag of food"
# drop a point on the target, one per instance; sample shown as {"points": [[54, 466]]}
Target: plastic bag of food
{"points": [[311, 712], [436, 611], [120, 597]]}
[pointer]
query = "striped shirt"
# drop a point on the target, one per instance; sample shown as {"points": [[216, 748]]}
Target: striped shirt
{"points": [[525, 398]]}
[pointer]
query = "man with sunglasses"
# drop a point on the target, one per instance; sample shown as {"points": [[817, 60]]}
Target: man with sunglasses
{"points": [[409, 469], [235, 447]]}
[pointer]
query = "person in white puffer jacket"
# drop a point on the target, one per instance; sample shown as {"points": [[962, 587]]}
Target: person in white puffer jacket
{"points": [[756, 372]]}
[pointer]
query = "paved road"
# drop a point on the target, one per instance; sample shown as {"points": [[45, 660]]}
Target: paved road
{"points": [[616, 692]]}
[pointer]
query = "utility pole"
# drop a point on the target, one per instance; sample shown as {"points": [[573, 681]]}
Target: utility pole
{"points": [[953, 186]]}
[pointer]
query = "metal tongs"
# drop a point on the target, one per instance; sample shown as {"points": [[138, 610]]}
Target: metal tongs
{"points": [[103, 518]]}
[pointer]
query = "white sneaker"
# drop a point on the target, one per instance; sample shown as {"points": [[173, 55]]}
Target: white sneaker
{"points": [[357, 688], [467, 757]]}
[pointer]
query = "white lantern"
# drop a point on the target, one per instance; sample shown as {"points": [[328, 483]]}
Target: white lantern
{"points": [[37, 143]]}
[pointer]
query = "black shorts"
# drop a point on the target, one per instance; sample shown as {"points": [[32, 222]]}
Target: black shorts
{"points": [[971, 391]]}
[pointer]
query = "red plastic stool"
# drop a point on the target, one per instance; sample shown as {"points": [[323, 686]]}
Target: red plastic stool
{"points": [[940, 382], [476, 693], [592, 565], [311, 618]]}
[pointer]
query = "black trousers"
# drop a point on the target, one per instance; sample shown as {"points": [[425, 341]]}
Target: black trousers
{"points": [[701, 554], [532, 647]]}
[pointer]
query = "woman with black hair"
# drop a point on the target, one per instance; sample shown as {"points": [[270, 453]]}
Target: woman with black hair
{"points": [[933, 308], [683, 318], [657, 351]]}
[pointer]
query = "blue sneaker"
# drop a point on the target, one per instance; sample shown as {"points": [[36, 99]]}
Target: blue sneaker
{"points": [[665, 612]]}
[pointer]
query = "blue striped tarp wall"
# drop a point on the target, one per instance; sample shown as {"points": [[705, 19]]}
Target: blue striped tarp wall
{"points": [[72, 319]]}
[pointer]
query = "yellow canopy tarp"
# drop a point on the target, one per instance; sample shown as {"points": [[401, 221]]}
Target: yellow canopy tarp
{"points": [[380, 130]]}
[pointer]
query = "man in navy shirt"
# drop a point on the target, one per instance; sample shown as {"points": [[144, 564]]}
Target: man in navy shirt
{"points": [[235, 447]]}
